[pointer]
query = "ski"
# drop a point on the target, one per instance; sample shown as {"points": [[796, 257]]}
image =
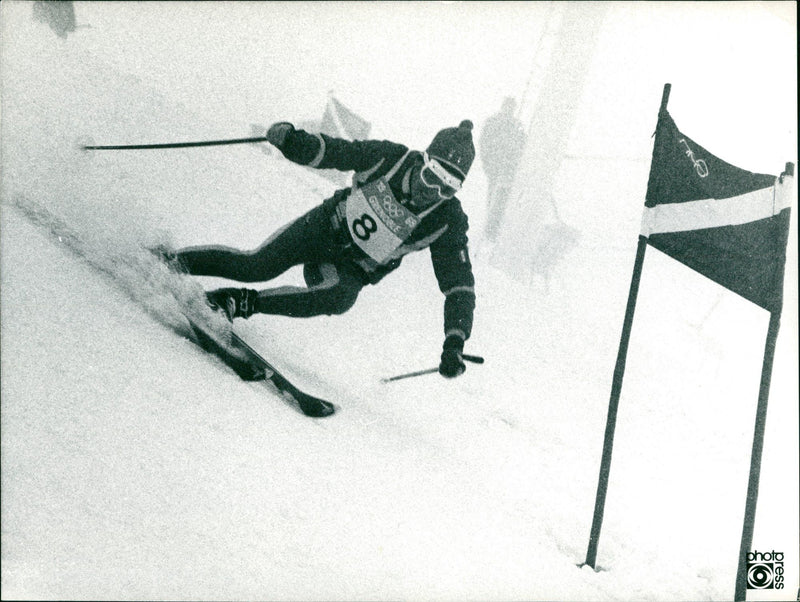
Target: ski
{"points": [[243, 359], [251, 366]]}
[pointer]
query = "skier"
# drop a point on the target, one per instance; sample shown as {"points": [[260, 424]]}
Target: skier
{"points": [[502, 142], [401, 200]]}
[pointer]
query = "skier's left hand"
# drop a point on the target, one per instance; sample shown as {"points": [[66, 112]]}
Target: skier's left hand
{"points": [[452, 364]]}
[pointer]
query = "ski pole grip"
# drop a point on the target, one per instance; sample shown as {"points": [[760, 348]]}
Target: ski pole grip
{"points": [[475, 359]]}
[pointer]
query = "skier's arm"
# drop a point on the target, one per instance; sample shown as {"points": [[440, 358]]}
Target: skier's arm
{"points": [[326, 152], [453, 270]]}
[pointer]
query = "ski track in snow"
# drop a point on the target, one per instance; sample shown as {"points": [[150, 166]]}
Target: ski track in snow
{"points": [[148, 281]]}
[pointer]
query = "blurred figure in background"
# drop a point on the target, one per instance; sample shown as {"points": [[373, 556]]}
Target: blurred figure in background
{"points": [[60, 16], [501, 144]]}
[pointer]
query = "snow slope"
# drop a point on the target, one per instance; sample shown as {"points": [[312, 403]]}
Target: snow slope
{"points": [[134, 466]]}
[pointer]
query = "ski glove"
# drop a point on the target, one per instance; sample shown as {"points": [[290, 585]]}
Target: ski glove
{"points": [[277, 133], [452, 364]]}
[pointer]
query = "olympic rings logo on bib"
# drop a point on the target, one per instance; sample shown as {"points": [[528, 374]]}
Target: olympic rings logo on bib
{"points": [[377, 223]]}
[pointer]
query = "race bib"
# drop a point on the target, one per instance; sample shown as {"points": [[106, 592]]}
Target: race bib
{"points": [[377, 223]]}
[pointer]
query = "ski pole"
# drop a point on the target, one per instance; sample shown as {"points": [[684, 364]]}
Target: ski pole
{"points": [[176, 144], [475, 359]]}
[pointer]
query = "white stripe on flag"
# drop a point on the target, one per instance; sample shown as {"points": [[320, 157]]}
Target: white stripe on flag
{"points": [[715, 213]]}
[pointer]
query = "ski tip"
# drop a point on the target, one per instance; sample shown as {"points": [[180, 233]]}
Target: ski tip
{"points": [[311, 406], [318, 408]]}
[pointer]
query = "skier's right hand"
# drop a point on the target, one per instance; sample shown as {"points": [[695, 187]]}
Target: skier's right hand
{"points": [[452, 364], [277, 133]]}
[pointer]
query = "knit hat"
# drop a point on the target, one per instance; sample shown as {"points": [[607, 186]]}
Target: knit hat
{"points": [[454, 149]]}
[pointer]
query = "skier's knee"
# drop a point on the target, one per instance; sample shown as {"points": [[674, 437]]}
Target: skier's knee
{"points": [[339, 300], [335, 291]]}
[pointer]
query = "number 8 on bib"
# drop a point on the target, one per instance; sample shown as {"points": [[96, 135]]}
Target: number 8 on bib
{"points": [[377, 223]]}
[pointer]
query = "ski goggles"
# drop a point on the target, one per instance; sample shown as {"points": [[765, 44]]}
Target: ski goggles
{"points": [[434, 175]]}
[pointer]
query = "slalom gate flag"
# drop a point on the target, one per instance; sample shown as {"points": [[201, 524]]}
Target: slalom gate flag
{"points": [[726, 223], [341, 122], [732, 226]]}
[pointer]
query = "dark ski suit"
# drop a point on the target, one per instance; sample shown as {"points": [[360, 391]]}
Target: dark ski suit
{"points": [[328, 242]]}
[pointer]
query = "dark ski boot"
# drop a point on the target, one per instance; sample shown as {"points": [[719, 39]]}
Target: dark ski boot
{"points": [[235, 302]]}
